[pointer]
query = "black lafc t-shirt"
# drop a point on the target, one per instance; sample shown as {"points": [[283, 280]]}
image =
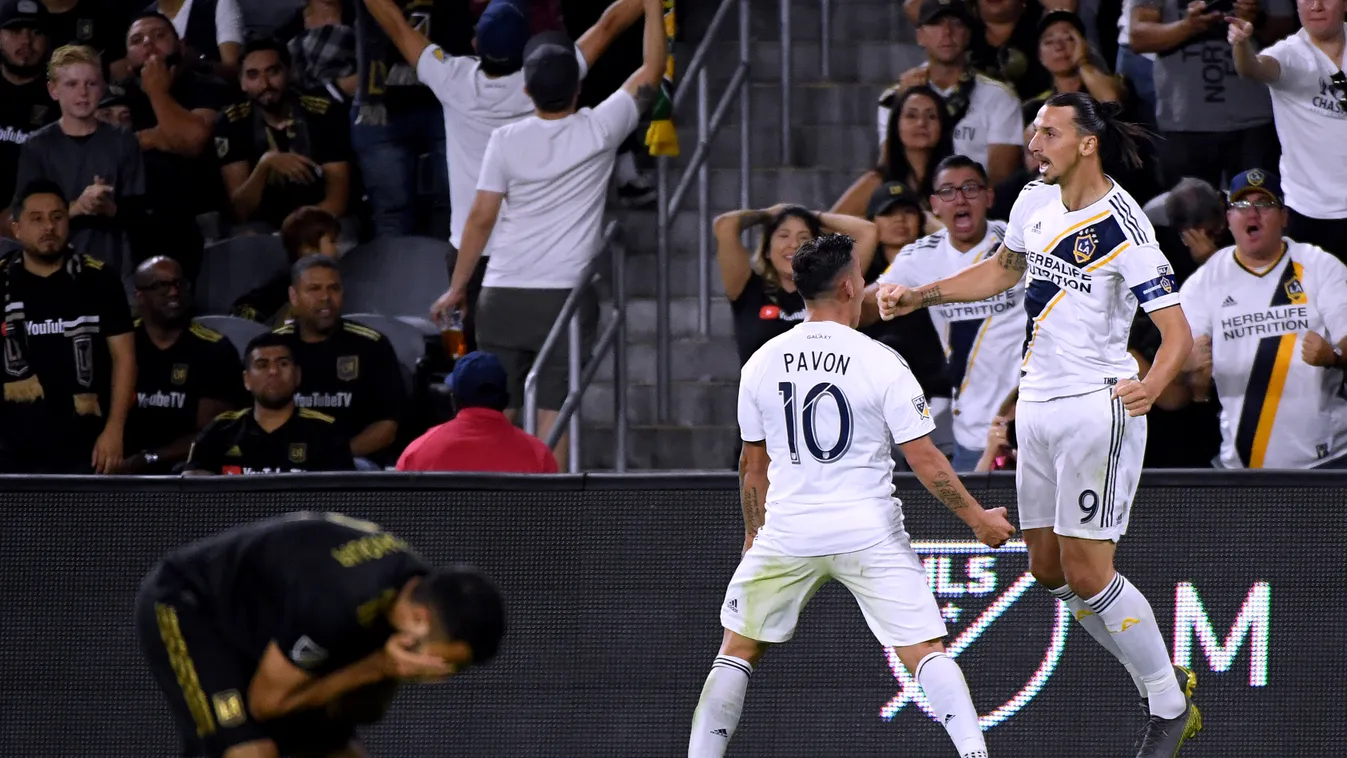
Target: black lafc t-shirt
{"points": [[68, 323], [318, 585], [352, 375], [234, 444], [177, 183], [92, 23], [762, 312], [171, 383], [317, 130], [24, 108]]}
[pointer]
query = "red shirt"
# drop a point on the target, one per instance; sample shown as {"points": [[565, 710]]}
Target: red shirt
{"points": [[478, 439]]}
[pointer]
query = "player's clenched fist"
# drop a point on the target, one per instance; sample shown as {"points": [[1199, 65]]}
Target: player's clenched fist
{"points": [[1238, 32], [1135, 397], [896, 300], [400, 660], [994, 529]]}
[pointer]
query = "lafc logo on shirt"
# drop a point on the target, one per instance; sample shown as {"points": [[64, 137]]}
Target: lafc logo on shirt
{"points": [[299, 451], [348, 368], [179, 374], [1087, 244], [229, 709]]}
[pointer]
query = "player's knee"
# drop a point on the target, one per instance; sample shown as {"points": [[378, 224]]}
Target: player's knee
{"points": [[1047, 569], [913, 655], [1086, 577], [743, 648], [257, 749]]}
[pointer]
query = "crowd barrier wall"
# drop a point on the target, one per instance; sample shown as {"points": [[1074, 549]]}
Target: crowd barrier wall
{"points": [[614, 585]]}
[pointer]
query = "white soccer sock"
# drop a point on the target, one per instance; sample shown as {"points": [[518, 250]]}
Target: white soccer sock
{"points": [[1128, 617], [718, 711], [947, 692], [1095, 626]]}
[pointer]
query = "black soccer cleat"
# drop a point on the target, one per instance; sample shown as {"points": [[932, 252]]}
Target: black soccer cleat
{"points": [[1163, 737]]}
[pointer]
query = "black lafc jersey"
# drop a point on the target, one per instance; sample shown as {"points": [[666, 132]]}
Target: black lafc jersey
{"points": [[234, 443], [352, 376], [318, 584], [170, 383]]}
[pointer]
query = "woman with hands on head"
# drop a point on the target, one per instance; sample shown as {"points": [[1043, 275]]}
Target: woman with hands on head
{"points": [[760, 286]]}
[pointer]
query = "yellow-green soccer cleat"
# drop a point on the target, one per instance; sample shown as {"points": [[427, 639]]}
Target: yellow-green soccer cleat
{"points": [[1163, 737]]}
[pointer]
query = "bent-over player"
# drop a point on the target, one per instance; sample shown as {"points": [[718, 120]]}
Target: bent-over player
{"points": [[819, 409], [279, 636], [1092, 258]]}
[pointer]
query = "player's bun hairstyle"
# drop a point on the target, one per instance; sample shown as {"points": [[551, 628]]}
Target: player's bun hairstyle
{"points": [[265, 339], [1119, 141], [819, 262], [762, 262], [468, 608]]}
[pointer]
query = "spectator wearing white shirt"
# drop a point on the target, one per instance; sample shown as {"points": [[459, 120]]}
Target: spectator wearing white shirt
{"points": [[985, 112], [480, 94], [1304, 73], [540, 202]]}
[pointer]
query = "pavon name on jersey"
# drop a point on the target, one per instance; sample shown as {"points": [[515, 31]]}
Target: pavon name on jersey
{"points": [[835, 363], [1267, 323], [1059, 272]]}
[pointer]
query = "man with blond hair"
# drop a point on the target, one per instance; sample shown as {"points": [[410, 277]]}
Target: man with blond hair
{"points": [[95, 163]]}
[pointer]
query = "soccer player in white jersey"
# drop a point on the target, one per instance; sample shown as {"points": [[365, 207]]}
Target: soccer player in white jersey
{"points": [[981, 340], [1092, 258], [819, 409], [1265, 312]]}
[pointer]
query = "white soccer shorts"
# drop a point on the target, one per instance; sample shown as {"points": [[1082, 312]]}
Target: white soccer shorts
{"points": [[769, 590], [1078, 464]]}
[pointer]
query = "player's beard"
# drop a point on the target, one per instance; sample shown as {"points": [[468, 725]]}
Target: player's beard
{"points": [[274, 402]]}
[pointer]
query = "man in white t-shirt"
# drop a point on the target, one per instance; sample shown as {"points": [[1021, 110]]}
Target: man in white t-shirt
{"points": [[539, 201], [986, 113], [482, 93], [1091, 256], [1304, 73], [1266, 312], [982, 340], [819, 408]]}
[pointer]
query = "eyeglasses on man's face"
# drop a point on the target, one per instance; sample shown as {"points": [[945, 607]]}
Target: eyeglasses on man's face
{"points": [[970, 191]]}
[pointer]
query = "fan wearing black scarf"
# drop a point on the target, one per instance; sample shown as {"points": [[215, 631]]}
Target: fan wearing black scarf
{"points": [[68, 349]]}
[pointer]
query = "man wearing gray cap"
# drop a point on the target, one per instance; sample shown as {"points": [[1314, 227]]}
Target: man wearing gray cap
{"points": [[540, 203]]}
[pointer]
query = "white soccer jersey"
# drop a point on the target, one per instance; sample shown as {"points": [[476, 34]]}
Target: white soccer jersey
{"points": [[1277, 411], [1088, 270], [830, 402], [982, 340]]}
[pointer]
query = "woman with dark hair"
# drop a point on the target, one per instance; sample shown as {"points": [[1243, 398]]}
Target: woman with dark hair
{"points": [[919, 135], [760, 285]]}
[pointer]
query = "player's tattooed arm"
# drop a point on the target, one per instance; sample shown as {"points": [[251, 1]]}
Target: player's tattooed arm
{"points": [[645, 96], [946, 488], [930, 295], [753, 462], [1012, 261]]}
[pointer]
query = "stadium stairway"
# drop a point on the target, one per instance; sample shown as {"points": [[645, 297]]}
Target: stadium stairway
{"points": [[833, 140]]}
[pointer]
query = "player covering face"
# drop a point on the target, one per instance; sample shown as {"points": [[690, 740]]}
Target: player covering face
{"points": [[1092, 259], [819, 408]]}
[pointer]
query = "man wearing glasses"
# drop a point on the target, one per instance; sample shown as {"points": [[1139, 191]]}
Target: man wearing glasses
{"points": [[1304, 73], [188, 374], [982, 340], [1269, 320]]}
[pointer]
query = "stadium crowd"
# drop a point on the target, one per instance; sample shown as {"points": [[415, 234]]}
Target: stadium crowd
{"points": [[131, 137]]}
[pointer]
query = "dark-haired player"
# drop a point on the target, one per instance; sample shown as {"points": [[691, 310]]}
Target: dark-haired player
{"points": [[819, 408], [267, 638], [1092, 258]]}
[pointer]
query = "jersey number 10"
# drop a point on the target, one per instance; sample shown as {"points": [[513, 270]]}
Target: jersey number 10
{"points": [[806, 423]]}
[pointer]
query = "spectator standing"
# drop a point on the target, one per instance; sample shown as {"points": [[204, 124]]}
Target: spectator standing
{"points": [[480, 94], [1136, 68], [186, 374], [1267, 313], [95, 24], [1007, 48], [1066, 56], [480, 437], [985, 112], [25, 104], [554, 169], [281, 150], [97, 164], [1304, 73], [919, 135], [323, 53], [69, 358], [350, 371], [211, 32], [273, 436], [307, 231], [173, 110], [1214, 123]]}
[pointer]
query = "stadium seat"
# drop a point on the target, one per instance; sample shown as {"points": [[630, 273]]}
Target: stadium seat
{"points": [[240, 331], [234, 266], [395, 276], [408, 339]]}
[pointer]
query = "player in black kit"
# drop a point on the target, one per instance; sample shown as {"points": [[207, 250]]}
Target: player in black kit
{"points": [[264, 637]]}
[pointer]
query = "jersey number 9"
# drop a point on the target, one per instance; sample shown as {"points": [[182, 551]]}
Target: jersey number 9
{"points": [[807, 422]]}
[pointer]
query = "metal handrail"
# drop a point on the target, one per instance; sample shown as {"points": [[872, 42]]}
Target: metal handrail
{"points": [[709, 121], [579, 375]]}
